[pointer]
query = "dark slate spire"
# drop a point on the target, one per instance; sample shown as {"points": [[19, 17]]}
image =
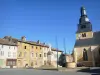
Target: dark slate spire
{"points": [[84, 23], [83, 18], [83, 11]]}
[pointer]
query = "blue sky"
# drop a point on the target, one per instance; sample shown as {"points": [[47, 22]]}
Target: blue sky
{"points": [[45, 19]]}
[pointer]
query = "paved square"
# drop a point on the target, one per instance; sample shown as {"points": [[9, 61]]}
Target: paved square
{"points": [[37, 72]]}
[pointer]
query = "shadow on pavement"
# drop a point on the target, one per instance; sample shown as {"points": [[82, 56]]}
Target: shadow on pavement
{"points": [[52, 69], [91, 71]]}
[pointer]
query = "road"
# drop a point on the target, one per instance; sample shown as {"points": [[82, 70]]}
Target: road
{"points": [[37, 72]]}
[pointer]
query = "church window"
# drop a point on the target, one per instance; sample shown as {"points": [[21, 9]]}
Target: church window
{"points": [[99, 51], [85, 57], [84, 35], [83, 26]]}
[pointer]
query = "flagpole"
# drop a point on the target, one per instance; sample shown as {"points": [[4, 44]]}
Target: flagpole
{"points": [[57, 50]]}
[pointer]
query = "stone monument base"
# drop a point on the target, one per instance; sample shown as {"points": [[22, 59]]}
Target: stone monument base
{"points": [[71, 65]]}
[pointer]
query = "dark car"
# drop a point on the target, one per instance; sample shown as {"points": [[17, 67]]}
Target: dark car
{"points": [[80, 65]]}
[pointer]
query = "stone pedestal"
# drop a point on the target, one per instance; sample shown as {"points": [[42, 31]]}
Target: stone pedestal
{"points": [[71, 65]]}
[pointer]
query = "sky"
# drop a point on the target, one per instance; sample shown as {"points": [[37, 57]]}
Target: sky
{"points": [[45, 20]]}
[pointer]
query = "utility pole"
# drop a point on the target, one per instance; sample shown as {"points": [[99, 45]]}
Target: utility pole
{"points": [[64, 45], [57, 50], [64, 41]]}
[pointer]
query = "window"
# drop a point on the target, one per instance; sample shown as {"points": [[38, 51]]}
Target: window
{"points": [[36, 54], [83, 26], [84, 35], [14, 47], [14, 62], [44, 54], [31, 63], [20, 54], [44, 62], [24, 47], [85, 57], [36, 63], [36, 47], [9, 54], [40, 55], [99, 51], [2, 46], [40, 48], [14, 54], [9, 47], [11, 62], [32, 46], [2, 53], [32, 55], [24, 54]]}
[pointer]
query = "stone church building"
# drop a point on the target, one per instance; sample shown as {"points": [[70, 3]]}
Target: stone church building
{"points": [[87, 44]]}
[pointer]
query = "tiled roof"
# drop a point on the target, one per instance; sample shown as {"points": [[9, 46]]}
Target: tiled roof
{"points": [[39, 44], [6, 42], [84, 42], [29, 42], [54, 49], [96, 37]]}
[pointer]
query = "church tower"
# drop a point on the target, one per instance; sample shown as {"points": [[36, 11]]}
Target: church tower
{"points": [[84, 40], [84, 30]]}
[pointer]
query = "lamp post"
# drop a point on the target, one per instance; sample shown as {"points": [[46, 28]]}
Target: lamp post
{"points": [[65, 45], [65, 49], [57, 50]]}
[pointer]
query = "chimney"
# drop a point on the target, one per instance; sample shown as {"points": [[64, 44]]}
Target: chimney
{"points": [[44, 43], [38, 41], [23, 38], [9, 38]]}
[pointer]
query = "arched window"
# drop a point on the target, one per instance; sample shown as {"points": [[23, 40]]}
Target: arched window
{"points": [[84, 35], [83, 26], [99, 51], [85, 57]]}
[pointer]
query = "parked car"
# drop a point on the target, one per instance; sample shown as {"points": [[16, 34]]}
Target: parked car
{"points": [[80, 65]]}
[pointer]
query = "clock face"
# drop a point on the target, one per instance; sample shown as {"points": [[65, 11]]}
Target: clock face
{"points": [[86, 19], [79, 36]]}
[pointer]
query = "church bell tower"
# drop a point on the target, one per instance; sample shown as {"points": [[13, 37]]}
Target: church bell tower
{"points": [[84, 29]]}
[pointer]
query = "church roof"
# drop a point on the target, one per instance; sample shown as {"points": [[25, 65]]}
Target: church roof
{"points": [[96, 37], [90, 41], [84, 42]]}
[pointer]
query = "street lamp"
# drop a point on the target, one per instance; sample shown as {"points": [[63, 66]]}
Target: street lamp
{"points": [[57, 51]]}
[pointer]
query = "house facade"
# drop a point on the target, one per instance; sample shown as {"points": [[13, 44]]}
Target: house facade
{"points": [[8, 54], [52, 56], [30, 53], [87, 45]]}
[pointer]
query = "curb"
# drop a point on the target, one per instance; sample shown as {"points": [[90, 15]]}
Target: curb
{"points": [[74, 70]]}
